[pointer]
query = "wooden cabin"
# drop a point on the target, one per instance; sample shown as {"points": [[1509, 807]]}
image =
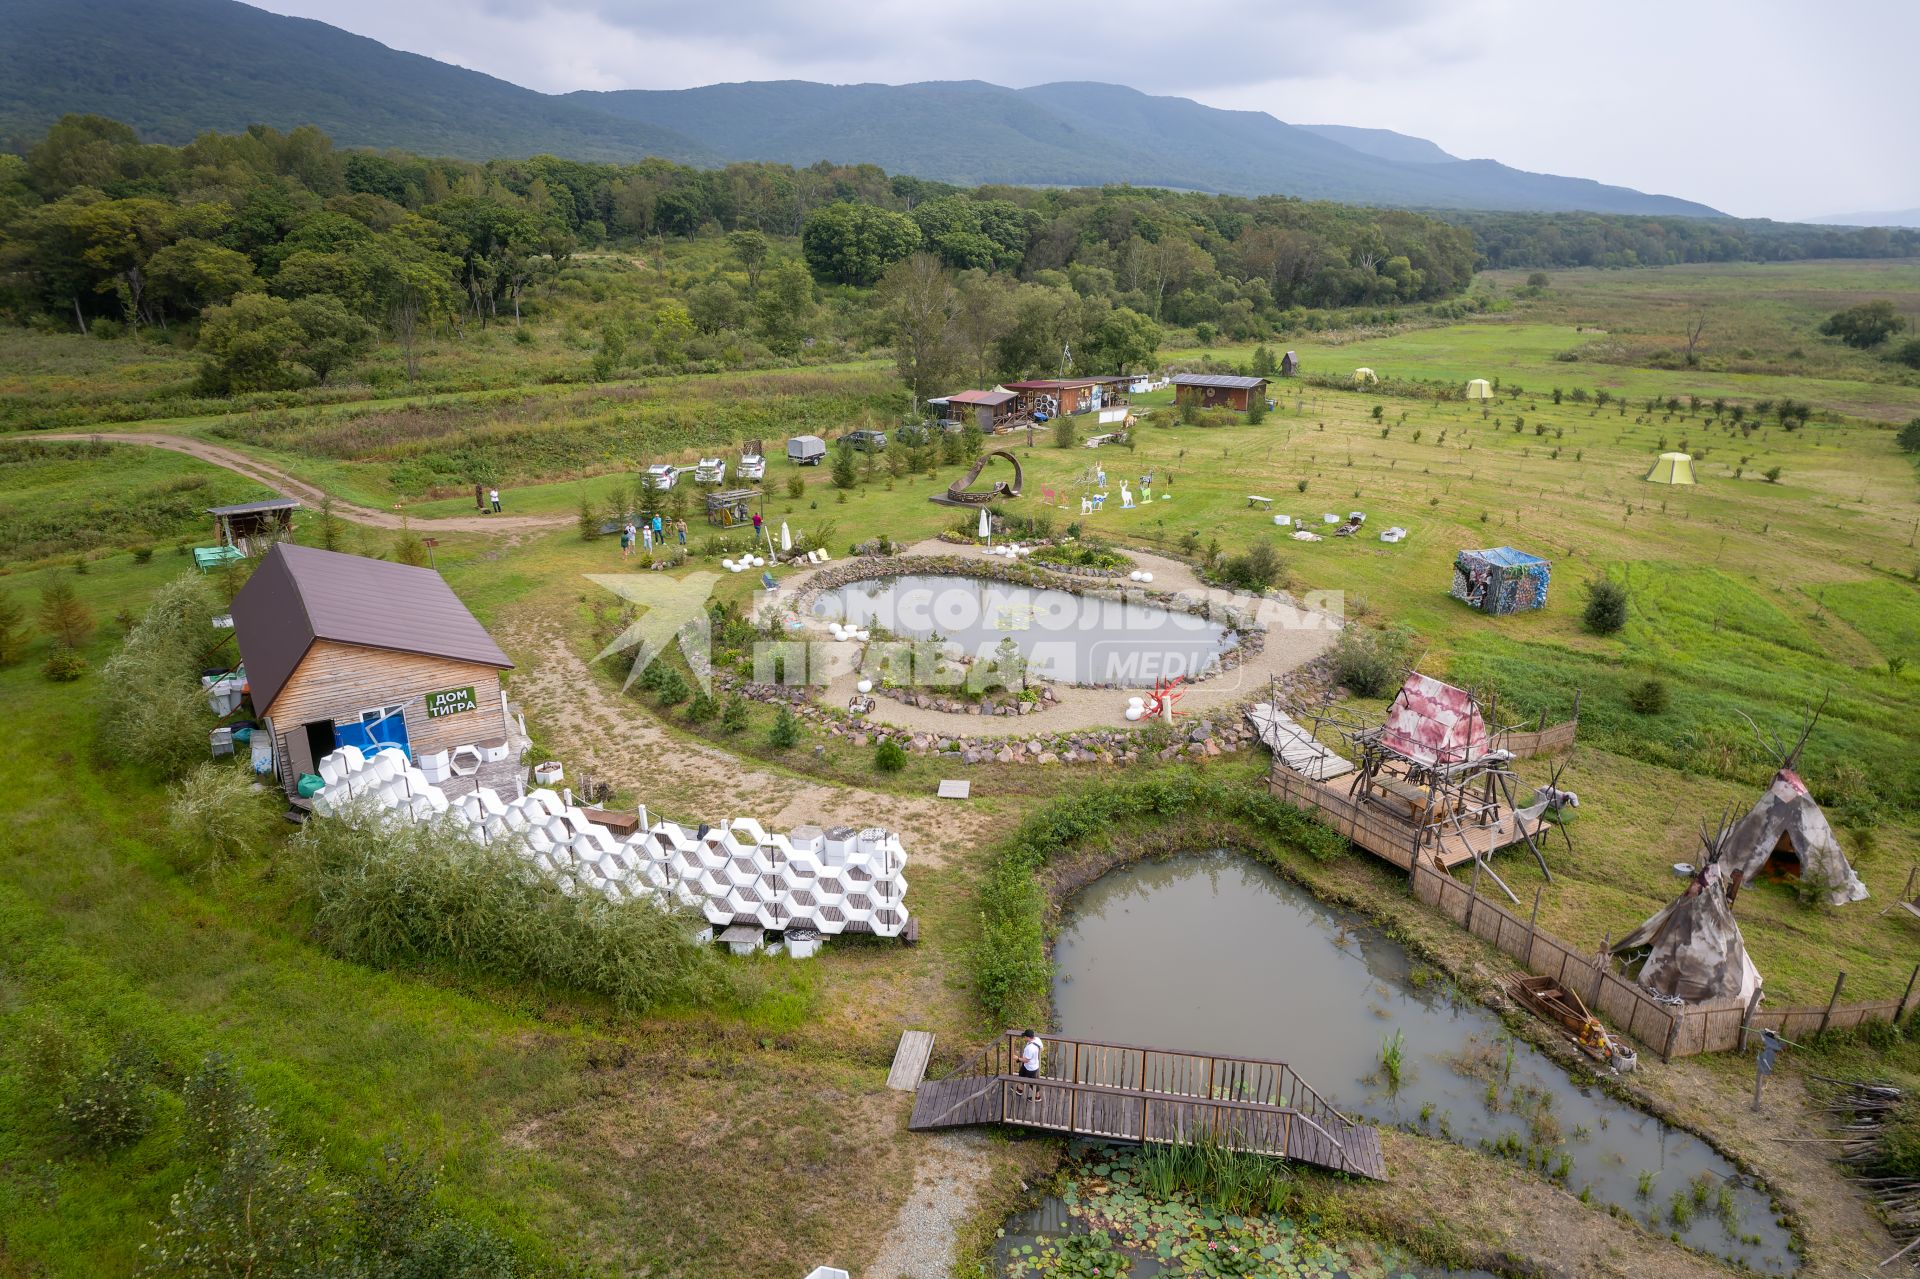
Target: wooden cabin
{"points": [[988, 410], [251, 527], [344, 650], [1059, 397], [1219, 391]]}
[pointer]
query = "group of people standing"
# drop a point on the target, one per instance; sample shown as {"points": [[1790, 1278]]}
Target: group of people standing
{"points": [[650, 532]]}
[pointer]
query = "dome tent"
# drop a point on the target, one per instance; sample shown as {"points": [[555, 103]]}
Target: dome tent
{"points": [[1365, 377], [1479, 389], [1672, 468]]}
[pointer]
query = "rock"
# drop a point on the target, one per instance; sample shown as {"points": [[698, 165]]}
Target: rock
{"points": [[1170, 751], [1210, 748], [1048, 757], [1005, 755]]}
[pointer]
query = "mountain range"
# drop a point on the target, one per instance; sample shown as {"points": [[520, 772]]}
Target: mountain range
{"points": [[174, 68]]}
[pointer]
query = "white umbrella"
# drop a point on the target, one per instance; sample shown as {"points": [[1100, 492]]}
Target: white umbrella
{"points": [[786, 538], [986, 526]]}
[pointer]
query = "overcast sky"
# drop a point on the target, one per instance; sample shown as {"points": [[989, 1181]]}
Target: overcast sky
{"points": [[1761, 108]]}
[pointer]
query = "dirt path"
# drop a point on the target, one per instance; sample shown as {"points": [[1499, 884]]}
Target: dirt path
{"points": [[950, 1169], [275, 478], [685, 780], [1287, 648]]}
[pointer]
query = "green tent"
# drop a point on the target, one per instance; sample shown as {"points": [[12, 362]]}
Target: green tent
{"points": [[1672, 468]]}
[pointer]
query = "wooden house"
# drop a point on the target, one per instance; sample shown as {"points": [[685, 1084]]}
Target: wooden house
{"points": [[1058, 397], [1289, 365], [1218, 391], [988, 410], [344, 650]]}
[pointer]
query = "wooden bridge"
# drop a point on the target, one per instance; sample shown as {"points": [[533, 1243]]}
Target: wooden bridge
{"points": [[1123, 1092]]}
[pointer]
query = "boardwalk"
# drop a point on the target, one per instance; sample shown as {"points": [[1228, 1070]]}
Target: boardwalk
{"points": [[1390, 835], [1121, 1092]]}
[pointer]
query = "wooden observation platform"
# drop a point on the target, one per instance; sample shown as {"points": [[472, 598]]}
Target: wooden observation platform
{"points": [[1123, 1092]]}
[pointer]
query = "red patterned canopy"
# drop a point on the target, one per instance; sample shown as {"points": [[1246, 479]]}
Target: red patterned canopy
{"points": [[1434, 723]]}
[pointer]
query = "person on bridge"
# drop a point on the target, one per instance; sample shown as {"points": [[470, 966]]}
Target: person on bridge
{"points": [[1030, 1051]]}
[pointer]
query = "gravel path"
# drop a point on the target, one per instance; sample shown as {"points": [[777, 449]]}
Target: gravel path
{"points": [[1287, 648], [946, 1184], [275, 478]]}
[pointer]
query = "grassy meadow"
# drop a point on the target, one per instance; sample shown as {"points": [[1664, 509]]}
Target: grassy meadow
{"points": [[756, 1137]]}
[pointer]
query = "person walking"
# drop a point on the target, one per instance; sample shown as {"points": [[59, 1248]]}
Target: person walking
{"points": [[1031, 1050], [493, 495], [756, 524]]}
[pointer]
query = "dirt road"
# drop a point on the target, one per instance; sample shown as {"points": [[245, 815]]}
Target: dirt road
{"points": [[273, 477]]}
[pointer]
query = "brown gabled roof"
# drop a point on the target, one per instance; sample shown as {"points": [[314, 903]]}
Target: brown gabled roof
{"points": [[1222, 380], [299, 595]]}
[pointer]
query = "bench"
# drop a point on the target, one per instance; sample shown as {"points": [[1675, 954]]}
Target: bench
{"points": [[1254, 500]]}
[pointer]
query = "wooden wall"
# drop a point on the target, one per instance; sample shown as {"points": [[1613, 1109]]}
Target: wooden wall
{"points": [[338, 681]]}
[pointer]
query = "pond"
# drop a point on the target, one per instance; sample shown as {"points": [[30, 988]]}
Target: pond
{"points": [[1217, 953], [1070, 638]]}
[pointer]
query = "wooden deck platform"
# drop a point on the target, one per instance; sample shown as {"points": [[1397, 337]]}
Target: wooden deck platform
{"points": [[1121, 1092], [1388, 834]]}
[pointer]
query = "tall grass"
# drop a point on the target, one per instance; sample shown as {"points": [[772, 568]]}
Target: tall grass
{"points": [[387, 894], [153, 712], [1209, 1170]]}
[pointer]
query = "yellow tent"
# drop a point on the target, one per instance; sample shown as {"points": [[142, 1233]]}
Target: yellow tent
{"points": [[1364, 375], [1479, 389], [1672, 468]]}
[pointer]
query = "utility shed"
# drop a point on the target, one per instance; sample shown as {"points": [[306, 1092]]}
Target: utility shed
{"points": [[344, 650], [1218, 391], [251, 527], [984, 409]]}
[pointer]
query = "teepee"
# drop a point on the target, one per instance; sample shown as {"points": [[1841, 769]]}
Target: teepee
{"points": [[1786, 834], [1479, 389], [1692, 949], [1672, 468]]}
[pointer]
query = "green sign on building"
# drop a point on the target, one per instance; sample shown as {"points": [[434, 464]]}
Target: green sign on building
{"points": [[451, 701]]}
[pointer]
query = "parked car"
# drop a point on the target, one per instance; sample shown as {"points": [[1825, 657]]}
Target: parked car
{"points": [[866, 441], [806, 450], [913, 434]]}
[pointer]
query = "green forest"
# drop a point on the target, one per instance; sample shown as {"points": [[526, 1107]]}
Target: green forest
{"points": [[280, 259]]}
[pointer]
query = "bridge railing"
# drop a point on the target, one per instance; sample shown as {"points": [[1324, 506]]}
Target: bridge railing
{"points": [[1161, 1072]]}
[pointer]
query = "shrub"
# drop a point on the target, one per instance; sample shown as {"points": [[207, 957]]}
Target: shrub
{"points": [[13, 630], [142, 553], [111, 1108], [386, 895], [671, 688], [1063, 433], [843, 472], [1649, 696], [587, 520], [1773, 474], [1258, 569], [733, 716], [1371, 663], [1909, 437], [1256, 410], [889, 756], [702, 708], [215, 817], [785, 733], [153, 711], [64, 665], [1606, 610], [796, 487]]}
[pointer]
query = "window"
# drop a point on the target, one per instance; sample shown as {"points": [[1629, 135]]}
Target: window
{"points": [[374, 715]]}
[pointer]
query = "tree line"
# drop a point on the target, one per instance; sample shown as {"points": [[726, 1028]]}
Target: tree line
{"points": [[286, 257], [1527, 240]]}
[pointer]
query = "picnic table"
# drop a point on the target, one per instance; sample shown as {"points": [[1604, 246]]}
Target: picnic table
{"points": [[1256, 500]]}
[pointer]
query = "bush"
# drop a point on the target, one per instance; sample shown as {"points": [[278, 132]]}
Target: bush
{"points": [[111, 1108], [889, 756], [153, 711], [702, 708], [1606, 610], [796, 487], [63, 616], [387, 895], [1649, 696], [142, 554], [64, 665], [733, 716], [1063, 433], [671, 688], [785, 733], [215, 817], [1909, 437], [1371, 663], [13, 630], [1258, 569]]}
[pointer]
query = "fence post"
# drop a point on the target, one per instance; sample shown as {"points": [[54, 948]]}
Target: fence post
{"points": [[1674, 1016], [1827, 1016], [1473, 896], [1526, 961], [1901, 1014], [1599, 972], [1746, 1019]]}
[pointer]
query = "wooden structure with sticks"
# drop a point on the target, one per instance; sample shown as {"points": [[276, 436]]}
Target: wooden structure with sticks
{"points": [[1123, 1092]]}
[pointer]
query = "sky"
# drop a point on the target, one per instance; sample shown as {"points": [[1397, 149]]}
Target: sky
{"points": [[1760, 108]]}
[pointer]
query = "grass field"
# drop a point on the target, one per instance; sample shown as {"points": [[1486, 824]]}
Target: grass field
{"points": [[756, 1137]]}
